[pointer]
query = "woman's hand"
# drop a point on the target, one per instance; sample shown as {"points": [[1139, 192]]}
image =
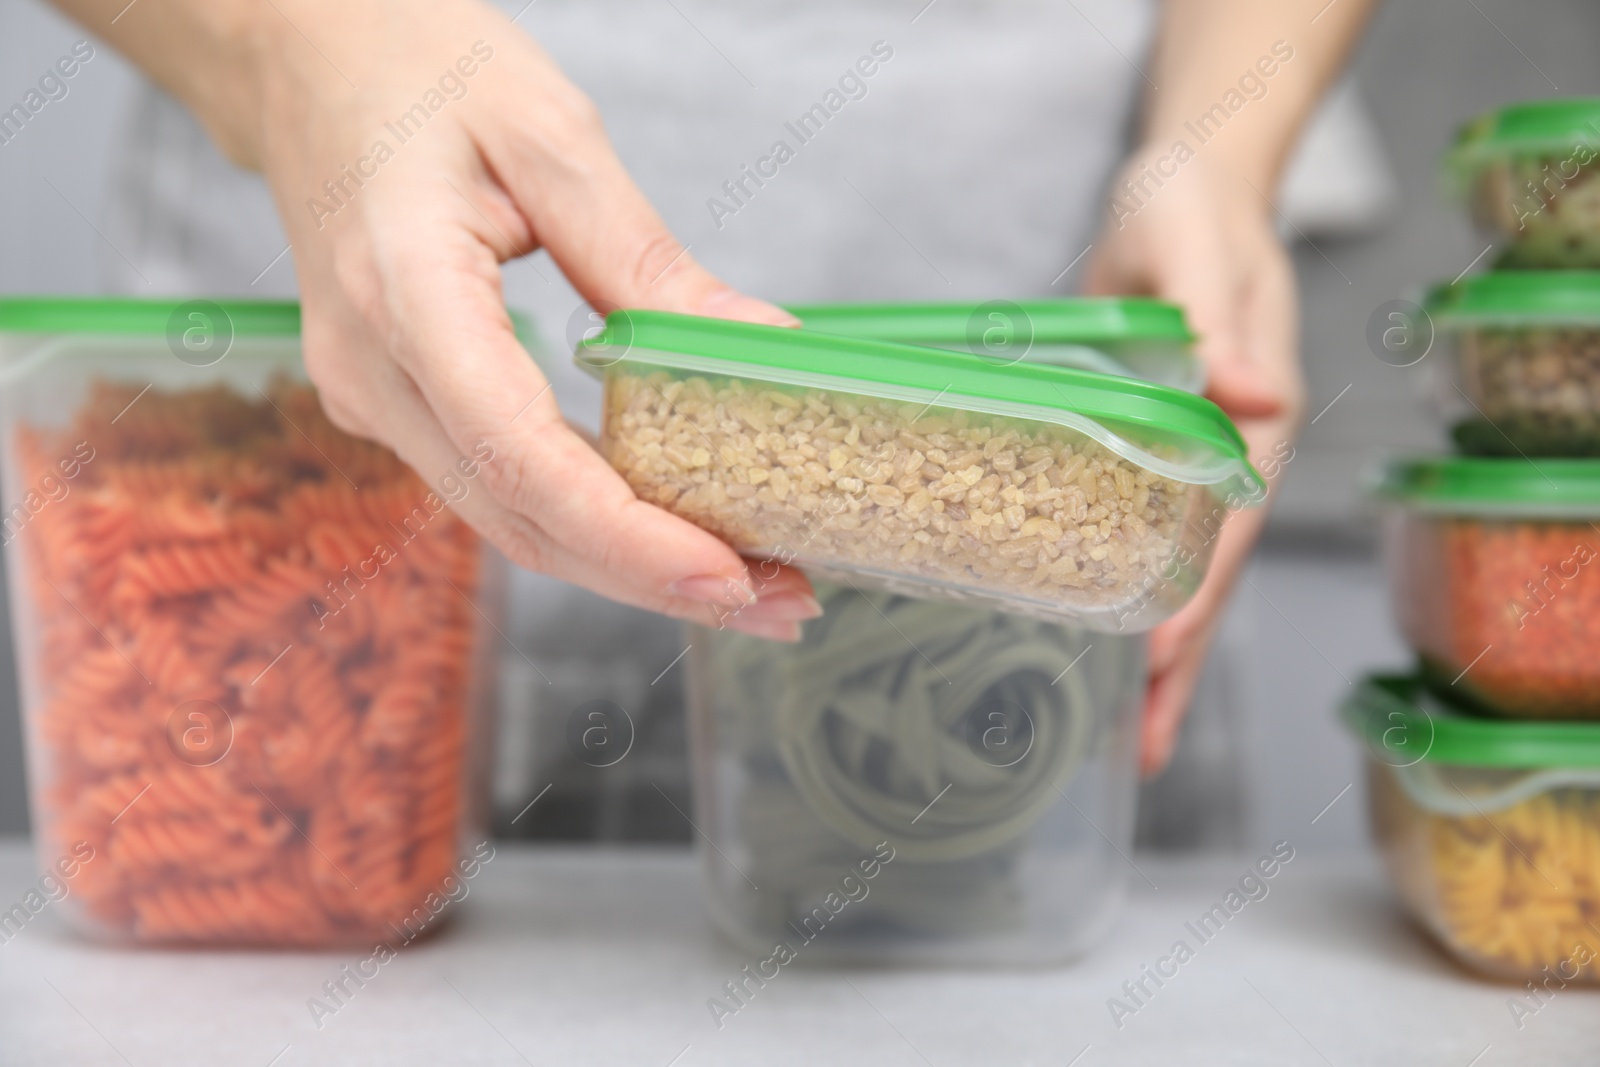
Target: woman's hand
{"points": [[412, 147], [1200, 234], [1204, 240]]}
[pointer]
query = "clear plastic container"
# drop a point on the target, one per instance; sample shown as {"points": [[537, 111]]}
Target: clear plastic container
{"points": [[1527, 173], [251, 647], [1135, 337], [1518, 373], [1494, 570], [1042, 490], [915, 782], [1490, 830]]}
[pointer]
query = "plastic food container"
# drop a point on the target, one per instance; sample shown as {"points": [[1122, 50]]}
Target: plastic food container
{"points": [[1494, 569], [1520, 374], [250, 646], [1490, 830], [915, 782], [1064, 493], [1527, 173], [1135, 337]]}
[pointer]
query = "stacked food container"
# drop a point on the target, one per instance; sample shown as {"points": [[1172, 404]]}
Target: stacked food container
{"points": [[1485, 765], [943, 769], [251, 646]]}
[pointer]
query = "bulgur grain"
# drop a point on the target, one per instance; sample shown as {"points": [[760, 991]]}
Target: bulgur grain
{"points": [[963, 498]]}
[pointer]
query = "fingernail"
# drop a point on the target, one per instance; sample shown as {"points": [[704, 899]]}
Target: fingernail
{"points": [[788, 606], [771, 629], [716, 589]]}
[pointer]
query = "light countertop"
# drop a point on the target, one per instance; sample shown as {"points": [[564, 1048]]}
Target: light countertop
{"points": [[603, 956]]}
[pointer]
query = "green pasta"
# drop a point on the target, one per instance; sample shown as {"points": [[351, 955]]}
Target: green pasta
{"points": [[947, 731]]}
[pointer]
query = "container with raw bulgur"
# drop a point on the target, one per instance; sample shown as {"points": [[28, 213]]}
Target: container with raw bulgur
{"points": [[1037, 489]]}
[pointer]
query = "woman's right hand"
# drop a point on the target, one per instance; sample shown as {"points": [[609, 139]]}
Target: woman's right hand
{"points": [[413, 146]]}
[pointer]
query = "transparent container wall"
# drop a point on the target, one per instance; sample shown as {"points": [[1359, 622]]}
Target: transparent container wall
{"points": [[1023, 516], [1520, 390], [1498, 865], [915, 782], [1503, 612], [250, 655], [1544, 208], [1162, 362]]}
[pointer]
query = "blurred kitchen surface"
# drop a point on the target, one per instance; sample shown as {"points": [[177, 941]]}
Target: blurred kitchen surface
{"points": [[1262, 758]]}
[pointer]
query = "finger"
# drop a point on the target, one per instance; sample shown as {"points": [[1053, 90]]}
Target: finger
{"points": [[596, 224], [1198, 276], [782, 605], [428, 450], [1272, 327], [388, 400], [1232, 552], [1196, 266], [455, 343], [1177, 648], [1107, 275], [783, 597], [462, 379], [1166, 702], [761, 594], [1171, 637]]}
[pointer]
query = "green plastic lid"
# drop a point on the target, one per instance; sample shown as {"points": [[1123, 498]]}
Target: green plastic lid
{"points": [[1108, 408], [1403, 723], [1534, 126], [1088, 320], [141, 317], [1518, 297], [125, 315], [1136, 337], [1461, 485]]}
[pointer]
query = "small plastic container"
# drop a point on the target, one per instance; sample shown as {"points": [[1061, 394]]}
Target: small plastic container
{"points": [[252, 648], [1527, 173], [1063, 493], [1494, 570], [1520, 367], [915, 782], [1490, 830], [1135, 337]]}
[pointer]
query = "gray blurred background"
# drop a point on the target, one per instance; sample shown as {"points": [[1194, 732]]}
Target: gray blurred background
{"points": [[1262, 755]]}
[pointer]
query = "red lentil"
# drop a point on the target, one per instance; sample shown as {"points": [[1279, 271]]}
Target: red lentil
{"points": [[1506, 611]]}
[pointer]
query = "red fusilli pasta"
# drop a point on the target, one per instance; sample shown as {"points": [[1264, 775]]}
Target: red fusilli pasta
{"points": [[251, 665]]}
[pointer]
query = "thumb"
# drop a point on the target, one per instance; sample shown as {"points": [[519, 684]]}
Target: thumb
{"points": [[1237, 385], [613, 246], [1217, 302], [1187, 268]]}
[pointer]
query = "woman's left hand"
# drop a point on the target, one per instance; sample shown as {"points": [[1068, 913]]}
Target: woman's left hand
{"points": [[1204, 239]]}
